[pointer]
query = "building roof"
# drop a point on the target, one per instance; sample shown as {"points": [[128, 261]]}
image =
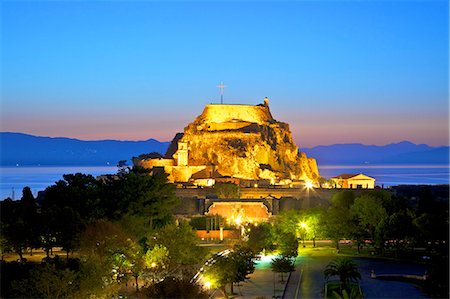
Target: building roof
{"points": [[347, 176], [206, 174]]}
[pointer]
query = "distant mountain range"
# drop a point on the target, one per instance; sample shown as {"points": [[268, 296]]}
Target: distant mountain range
{"points": [[29, 150], [404, 152]]}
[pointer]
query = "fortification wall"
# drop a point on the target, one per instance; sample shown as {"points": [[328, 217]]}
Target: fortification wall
{"points": [[150, 163], [219, 113]]}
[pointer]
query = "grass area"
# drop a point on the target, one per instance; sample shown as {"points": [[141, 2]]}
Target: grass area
{"points": [[38, 255], [317, 251]]}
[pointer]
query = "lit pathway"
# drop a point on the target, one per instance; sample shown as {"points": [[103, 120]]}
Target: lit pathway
{"points": [[293, 286], [263, 283]]}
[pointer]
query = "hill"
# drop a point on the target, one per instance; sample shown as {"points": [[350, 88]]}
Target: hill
{"points": [[404, 152], [29, 150], [25, 149]]}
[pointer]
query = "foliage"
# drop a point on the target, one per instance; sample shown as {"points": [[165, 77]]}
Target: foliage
{"points": [[282, 265], [337, 223], [260, 237], [345, 268], [229, 269], [369, 216], [47, 281], [208, 222], [181, 243], [14, 230], [156, 257], [172, 287], [343, 199], [288, 244], [242, 259], [226, 190], [354, 293]]}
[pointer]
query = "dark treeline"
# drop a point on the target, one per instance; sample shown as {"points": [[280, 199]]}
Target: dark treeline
{"points": [[409, 222], [119, 235], [118, 232]]}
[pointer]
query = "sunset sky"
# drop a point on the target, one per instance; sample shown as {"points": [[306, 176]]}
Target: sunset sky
{"points": [[373, 72]]}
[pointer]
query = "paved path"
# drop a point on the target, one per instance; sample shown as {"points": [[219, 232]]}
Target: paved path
{"points": [[263, 283], [312, 278], [293, 286]]}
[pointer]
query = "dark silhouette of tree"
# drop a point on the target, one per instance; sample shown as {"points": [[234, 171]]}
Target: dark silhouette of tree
{"points": [[260, 237], [346, 269], [282, 265], [242, 260], [172, 287], [337, 221], [14, 229], [20, 223]]}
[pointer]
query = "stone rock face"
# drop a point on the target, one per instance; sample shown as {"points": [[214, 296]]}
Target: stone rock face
{"points": [[245, 141]]}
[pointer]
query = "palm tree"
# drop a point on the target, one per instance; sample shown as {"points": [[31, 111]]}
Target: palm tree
{"points": [[345, 268]]}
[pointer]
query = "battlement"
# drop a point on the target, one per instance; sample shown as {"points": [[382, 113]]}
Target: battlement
{"points": [[221, 113]]}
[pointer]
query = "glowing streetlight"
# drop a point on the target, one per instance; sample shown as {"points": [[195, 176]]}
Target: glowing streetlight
{"points": [[303, 225], [309, 185], [207, 285]]}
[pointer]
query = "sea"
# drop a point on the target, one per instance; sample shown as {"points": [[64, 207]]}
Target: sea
{"points": [[13, 179]]}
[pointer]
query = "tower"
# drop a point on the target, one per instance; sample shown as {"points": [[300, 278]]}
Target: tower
{"points": [[266, 102], [182, 154]]}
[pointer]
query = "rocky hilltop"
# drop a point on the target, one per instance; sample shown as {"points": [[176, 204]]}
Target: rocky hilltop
{"points": [[240, 141]]}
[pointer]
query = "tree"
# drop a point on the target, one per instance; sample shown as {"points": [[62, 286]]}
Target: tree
{"points": [[219, 273], [182, 245], [172, 287], [14, 226], [346, 269], [226, 190], [282, 265], [312, 221], [337, 221], [369, 214], [156, 259], [150, 196], [399, 228], [242, 260], [343, 199], [288, 244], [47, 281], [260, 237], [30, 217], [229, 269]]}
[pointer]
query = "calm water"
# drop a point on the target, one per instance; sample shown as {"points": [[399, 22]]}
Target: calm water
{"points": [[391, 175], [38, 178]]}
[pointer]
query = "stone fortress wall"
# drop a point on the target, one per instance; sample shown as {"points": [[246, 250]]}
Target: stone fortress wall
{"points": [[222, 113]]}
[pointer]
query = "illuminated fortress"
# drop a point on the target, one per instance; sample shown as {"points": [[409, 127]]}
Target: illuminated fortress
{"points": [[228, 141]]}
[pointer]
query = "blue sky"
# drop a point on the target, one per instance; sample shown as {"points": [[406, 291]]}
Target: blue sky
{"points": [[337, 71]]}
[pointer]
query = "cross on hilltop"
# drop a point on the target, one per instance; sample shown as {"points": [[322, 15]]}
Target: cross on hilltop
{"points": [[221, 86]]}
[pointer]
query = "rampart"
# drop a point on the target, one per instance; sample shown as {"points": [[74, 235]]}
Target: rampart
{"points": [[220, 113]]}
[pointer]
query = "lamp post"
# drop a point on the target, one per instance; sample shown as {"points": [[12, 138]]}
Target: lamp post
{"points": [[303, 225]]}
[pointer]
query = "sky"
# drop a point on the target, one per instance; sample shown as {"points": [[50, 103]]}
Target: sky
{"points": [[371, 72]]}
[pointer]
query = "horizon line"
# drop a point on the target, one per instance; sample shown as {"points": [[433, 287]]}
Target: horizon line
{"points": [[143, 140]]}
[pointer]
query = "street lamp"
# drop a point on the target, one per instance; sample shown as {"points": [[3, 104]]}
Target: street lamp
{"points": [[303, 225]]}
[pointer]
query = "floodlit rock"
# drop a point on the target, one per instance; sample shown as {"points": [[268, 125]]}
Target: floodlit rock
{"points": [[240, 141]]}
